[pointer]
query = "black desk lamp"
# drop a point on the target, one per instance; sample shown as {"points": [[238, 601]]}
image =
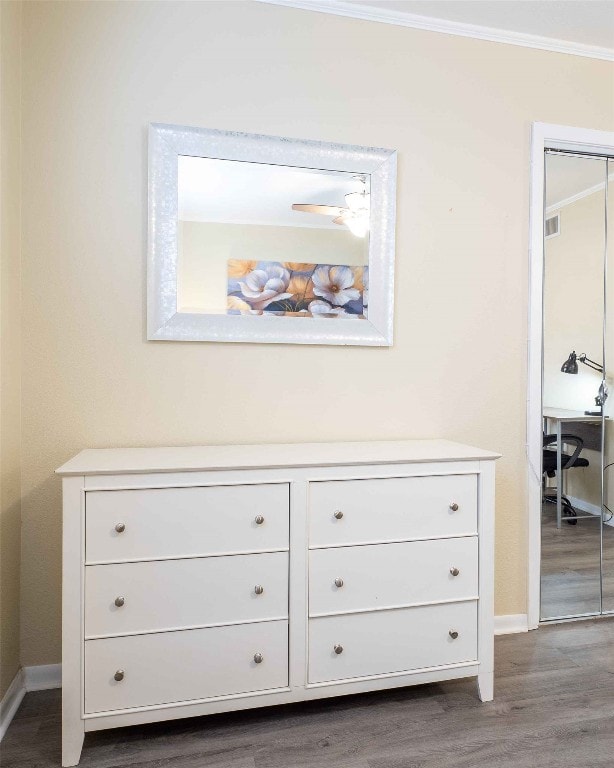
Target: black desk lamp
{"points": [[571, 366]]}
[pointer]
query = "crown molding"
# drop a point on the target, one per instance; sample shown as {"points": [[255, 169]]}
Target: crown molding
{"points": [[578, 196], [429, 24]]}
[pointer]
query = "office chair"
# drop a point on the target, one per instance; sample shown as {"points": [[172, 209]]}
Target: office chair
{"points": [[568, 461]]}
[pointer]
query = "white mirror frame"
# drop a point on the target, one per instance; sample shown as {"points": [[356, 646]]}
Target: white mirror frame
{"points": [[164, 322]]}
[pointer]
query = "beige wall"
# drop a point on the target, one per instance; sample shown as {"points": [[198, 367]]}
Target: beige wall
{"points": [[573, 319], [10, 343], [459, 113], [573, 302]]}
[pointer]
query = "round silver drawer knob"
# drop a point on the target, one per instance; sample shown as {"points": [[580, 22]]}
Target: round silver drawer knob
{"points": [[338, 649], [454, 506], [453, 634], [338, 582], [119, 675], [337, 514], [120, 527], [258, 589], [454, 571], [258, 658], [259, 519], [119, 601]]}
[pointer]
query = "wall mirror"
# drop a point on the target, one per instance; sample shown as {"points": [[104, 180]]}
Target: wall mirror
{"points": [[265, 239]]}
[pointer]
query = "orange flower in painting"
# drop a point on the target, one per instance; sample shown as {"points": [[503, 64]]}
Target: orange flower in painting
{"points": [[240, 267], [234, 302], [296, 266], [358, 273], [301, 287]]}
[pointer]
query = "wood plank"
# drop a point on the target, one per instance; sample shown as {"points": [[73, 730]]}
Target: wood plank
{"points": [[570, 566]]}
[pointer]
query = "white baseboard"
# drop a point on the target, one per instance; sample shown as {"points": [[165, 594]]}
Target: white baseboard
{"points": [[11, 701], [585, 506], [40, 678], [43, 677], [511, 624]]}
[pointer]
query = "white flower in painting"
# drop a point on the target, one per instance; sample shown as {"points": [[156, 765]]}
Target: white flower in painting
{"points": [[264, 286], [322, 309], [234, 302], [365, 282], [335, 285]]}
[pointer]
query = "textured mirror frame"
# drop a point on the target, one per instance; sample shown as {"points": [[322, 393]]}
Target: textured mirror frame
{"points": [[164, 322]]}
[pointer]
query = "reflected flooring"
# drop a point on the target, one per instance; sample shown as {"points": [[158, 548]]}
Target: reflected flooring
{"points": [[553, 707], [570, 566]]}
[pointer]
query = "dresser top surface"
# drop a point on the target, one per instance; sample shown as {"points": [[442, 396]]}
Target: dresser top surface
{"points": [[116, 461]]}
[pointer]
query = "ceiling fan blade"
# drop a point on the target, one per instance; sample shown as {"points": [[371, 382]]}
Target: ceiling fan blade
{"points": [[325, 210]]}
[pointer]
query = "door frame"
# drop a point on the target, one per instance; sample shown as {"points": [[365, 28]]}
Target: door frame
{"points": [[543, 136]]}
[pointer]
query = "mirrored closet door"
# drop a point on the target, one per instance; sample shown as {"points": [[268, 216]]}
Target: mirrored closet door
{"points": [[607, 553], [577, 552]]}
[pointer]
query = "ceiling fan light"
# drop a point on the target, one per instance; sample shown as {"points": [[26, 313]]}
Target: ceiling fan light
{"points": [[358, 225], [357, 201]]}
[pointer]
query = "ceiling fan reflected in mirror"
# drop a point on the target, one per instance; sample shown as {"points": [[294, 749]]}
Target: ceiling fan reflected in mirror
{"points": [[355, 215]]}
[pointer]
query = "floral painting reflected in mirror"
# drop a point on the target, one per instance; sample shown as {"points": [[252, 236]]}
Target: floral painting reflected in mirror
{"points": [[299, 290], [262, 239]]}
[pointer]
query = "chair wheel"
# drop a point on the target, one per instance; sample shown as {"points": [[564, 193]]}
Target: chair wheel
{"points": [[570, 515]]}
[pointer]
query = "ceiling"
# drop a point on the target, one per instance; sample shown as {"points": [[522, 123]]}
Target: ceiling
{"points": [[231, 192], [580, 27]]}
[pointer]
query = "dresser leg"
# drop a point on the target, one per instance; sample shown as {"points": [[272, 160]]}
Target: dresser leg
{"points": [[73, 734], [486, 682]]}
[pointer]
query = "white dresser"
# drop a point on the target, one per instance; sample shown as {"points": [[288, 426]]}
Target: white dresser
{"points": [[207, 579]]}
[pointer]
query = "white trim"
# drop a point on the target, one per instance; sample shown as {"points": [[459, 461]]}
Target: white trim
{"points": [[544, 136], [11, 701], [511, 624], [592, 509], [447, 27], [584, 506], [43, 677], [37, 678]]}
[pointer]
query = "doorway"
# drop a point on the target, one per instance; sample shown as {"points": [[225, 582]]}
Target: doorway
{"points": [[570, 413]]}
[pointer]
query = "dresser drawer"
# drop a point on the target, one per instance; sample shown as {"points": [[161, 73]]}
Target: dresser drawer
{"points": [[180, 666], [392, 575], [391, 641], [176, 522], [172, 594], [345, 512]]}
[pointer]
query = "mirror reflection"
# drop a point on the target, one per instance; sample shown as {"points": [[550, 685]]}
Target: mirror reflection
{"points": [[574, 386], [607, 554], [258, 239]]}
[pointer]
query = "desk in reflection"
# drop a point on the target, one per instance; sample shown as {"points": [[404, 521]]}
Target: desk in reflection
{"points": [[554, 419]]}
